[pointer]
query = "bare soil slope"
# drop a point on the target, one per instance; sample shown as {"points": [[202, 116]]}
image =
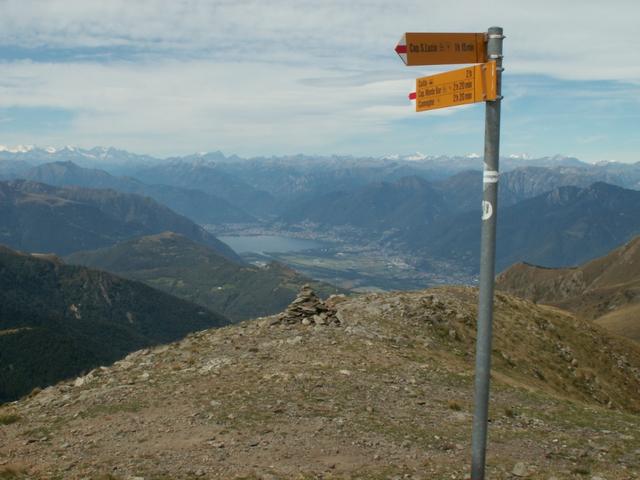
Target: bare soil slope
{"points": [[384, 393], [604, 289]]}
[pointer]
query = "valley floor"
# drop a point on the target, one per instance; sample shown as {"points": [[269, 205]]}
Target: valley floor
{"points": [[350, 259]]}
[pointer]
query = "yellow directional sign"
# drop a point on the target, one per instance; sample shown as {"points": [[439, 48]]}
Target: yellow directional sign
{"points": [[457, 87], [442, 48]]}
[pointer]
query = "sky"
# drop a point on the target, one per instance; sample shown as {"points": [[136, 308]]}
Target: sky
{"points": [[280, 77]]}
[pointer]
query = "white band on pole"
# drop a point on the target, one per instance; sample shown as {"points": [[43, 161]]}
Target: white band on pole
{"points": [[490, 176]]}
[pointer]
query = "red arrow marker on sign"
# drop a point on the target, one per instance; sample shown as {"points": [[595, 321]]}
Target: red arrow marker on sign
{"points": [[412, 96], [401, 48]]}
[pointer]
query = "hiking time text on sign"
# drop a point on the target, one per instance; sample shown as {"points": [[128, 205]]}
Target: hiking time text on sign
{"points": [[457, 87], [442, 48]]}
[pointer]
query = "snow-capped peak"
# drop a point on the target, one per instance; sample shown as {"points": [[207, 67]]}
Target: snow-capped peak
{"points": [[50, 150], [520, 156], [473, 155], [416, 157], [604, 163], [16, 149]]}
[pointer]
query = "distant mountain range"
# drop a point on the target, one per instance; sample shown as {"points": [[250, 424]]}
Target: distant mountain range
{"points": [[293, 176], [377, 206], [58, 320], [415, 200], [210, 178], [464, 190], [564, 227], [179, 266], [115, 158], [423, 205], [204, 208], [36, 217], [606, 289]]}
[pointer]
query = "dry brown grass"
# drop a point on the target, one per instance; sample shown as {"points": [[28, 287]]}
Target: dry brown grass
{"points": [[387, 394], [12, 472], [624, 322], [9, 418]]}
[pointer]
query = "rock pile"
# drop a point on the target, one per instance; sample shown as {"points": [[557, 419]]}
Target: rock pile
{"points": [[308, 309]]}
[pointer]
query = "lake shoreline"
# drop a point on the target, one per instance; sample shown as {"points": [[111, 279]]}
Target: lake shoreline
{"points": [[261, 243]]}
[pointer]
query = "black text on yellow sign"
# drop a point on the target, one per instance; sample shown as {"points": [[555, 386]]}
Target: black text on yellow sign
{"points": [[457, 87]]}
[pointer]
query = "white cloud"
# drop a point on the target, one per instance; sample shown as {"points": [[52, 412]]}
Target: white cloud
{"points": [[188, 106], [569, 39], [278, 76]]}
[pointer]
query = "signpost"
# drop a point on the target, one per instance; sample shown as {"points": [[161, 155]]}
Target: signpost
{"points": [[442, 48], [457, 87], [479, 83]]}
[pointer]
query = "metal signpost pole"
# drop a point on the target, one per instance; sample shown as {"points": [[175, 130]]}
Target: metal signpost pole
{"points": [[480, 83], [487, 262]]}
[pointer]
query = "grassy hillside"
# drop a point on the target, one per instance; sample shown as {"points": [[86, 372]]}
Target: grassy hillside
{"points": [[624, 321], [606, 289], [181, 267], [59, 320]]}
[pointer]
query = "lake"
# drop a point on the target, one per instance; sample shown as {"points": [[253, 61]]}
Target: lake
{"points": [[268, 243]]}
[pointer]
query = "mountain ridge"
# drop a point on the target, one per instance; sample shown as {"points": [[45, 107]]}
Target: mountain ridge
{"points": [[564, 227], [202, 207], [175, 264], [605, 290], [77, 218], [57, 320]]}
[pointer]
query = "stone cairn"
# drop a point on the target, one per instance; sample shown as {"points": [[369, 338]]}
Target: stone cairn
{"points": [[308, 309]]}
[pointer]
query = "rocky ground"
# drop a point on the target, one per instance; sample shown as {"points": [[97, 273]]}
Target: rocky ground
{"points": [[377, 386]]}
